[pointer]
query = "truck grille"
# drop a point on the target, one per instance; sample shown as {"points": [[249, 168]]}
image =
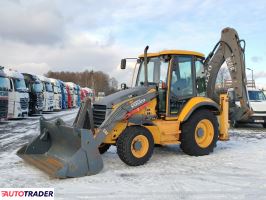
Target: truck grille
{"points": [[3, 108], [51, 100], [24, 103], [99, 112], [39, 100]]}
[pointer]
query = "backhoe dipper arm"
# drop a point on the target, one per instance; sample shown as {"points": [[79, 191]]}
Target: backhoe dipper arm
{"points": [[229, 50]]}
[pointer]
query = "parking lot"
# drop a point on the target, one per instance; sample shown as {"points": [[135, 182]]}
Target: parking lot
{"points": [[235, 170]]}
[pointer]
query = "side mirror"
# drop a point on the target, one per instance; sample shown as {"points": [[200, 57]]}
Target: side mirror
{"points": [[123, 86], [123, 63]]}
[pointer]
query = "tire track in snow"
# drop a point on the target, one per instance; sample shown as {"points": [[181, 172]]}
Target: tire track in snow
{"points": [[16, 133]]}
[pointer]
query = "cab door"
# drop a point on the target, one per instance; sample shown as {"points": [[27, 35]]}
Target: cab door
{"points": [[11, 98], [181, 83]]}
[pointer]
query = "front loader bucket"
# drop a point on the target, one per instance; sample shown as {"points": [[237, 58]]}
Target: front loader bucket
{"points": [[63, 151]]}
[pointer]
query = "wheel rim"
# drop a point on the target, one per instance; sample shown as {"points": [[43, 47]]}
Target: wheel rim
{"points": [[204, 133], [139, 146]]}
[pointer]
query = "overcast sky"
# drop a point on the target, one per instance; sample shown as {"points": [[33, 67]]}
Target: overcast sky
{"points": [[41, 35]]}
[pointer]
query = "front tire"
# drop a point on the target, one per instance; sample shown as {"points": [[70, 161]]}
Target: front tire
{"points": [[103, 148], [199, 133], [135, 145]]}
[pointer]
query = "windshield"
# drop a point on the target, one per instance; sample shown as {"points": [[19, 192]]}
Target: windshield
{"points": [[256, 96], [48, 87], [37, 87], [157, 71], [19, 84], [4, 84]]}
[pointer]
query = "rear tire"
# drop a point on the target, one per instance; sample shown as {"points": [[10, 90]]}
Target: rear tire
{"points": [[264, 125], [199, 133], [135, 145]]}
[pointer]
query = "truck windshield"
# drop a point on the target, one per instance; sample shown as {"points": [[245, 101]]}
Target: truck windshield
{"points": [[4, 83], [37, 87], [256, 96], [157, 71], [19, 84], [48, 87]]}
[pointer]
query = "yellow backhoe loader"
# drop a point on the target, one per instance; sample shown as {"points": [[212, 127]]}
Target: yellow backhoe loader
{"points": [[172, 102]]}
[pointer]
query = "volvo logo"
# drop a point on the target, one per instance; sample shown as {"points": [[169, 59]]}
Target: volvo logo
{"points": [[137, 103]]}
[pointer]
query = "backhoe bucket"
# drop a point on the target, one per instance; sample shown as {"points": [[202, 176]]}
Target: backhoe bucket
{"points": [[63, 151]]}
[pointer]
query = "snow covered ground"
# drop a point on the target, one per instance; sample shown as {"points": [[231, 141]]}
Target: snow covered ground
{"points": [[236, 169]]}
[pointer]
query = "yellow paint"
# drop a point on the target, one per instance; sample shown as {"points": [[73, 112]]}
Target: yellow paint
{"points": [[168, 131], [190, 104], [117, 130], [149, 110], [144, 146], [154, 130], [223, 117], [204, 133], [173, 52]]}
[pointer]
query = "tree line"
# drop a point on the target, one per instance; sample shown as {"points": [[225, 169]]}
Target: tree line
{"points": [[97, 80]]}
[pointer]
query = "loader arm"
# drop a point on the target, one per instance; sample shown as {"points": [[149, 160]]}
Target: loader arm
{"points": [[118, 114], [229, 50]]}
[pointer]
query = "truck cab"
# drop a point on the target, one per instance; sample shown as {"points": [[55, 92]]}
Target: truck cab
{"points": [[257, 101], [100, 96], [4, 86], [64, 95], [48, 93], [18, 96], [57, 94], [88, 92], [35, 88], [73, 93], [78, 95]]}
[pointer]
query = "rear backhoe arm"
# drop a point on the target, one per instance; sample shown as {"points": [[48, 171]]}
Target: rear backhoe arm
{"points": [[229, 50]]}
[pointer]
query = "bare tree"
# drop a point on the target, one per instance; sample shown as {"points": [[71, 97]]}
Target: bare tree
{"points": [[97, 80]]}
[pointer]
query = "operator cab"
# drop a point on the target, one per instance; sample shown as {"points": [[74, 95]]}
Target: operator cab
{"points": [[178, 75]]}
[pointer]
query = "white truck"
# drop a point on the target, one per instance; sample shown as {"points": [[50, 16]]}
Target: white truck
{"points": [[48, 93], [18, 96], [57, 94], [257, 101], [100, 96], [4, 87], [73, 92]]}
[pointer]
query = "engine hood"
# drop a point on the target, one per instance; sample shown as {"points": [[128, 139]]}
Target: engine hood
{"points": [[258, 106], [113, 99]]}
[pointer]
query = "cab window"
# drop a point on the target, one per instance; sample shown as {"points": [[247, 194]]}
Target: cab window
{"points": [[181, 78], [200, 77], [157, 71]]}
